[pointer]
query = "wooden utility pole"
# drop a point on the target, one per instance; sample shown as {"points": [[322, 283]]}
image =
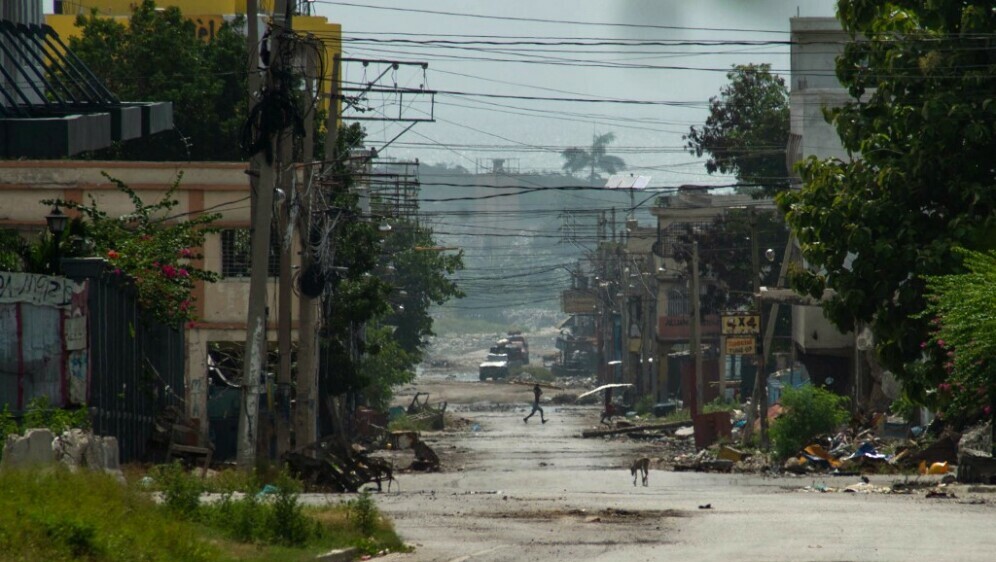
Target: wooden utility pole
{"points": [[696, 332], [255, 349]]}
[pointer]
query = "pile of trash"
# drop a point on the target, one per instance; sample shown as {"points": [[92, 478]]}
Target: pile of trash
{"points": [[932, 488]]}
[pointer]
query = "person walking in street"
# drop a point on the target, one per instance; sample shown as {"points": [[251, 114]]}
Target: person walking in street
{"points": [[537, 392]]}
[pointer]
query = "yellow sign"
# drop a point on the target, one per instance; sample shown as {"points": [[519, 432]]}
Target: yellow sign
{"points": [[741, 324], [741, 346]]}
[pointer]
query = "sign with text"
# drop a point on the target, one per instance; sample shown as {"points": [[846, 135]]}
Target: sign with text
{"points": [[741, 324], [578, 301], [741, 346]]}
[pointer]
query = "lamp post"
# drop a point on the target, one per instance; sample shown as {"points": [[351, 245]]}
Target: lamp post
{"points": [[57, 221]]}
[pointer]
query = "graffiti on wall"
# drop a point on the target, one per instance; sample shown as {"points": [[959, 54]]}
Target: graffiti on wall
{"points": [[40, 290]]}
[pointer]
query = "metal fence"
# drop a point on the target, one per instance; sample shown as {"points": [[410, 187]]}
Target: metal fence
{"points": [[136, 363]]}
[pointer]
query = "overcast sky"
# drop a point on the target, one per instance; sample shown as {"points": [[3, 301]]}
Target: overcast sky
{"points": [[532, 131]]}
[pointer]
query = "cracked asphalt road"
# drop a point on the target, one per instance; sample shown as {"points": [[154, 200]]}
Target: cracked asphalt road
{"points": [[513, 492]]}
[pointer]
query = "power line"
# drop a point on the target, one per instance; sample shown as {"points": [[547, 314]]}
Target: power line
{"points": [[546, 20]]}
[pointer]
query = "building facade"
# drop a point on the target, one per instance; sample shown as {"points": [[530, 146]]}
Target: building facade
{"points": [[206, 187]]}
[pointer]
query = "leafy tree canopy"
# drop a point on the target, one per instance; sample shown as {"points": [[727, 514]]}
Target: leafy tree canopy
{"points": [[393, 302], [158, 57], [921, 129], [594, 159], [747, 130], [725, 256], [418, 272]]}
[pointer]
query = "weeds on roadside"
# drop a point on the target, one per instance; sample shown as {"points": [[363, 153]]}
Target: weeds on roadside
{"points": [[408, 423], [363, 513], [41, 413], [58, 515]]}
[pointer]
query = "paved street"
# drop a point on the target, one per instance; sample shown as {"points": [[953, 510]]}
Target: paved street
{"points": [[538, 492]]}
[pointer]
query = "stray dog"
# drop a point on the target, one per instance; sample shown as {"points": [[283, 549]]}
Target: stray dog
{"points": [[643, 467]]}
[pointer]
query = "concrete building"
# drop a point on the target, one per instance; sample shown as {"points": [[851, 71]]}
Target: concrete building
{"points": [[205, 187], [684, 214], [831, 356]]}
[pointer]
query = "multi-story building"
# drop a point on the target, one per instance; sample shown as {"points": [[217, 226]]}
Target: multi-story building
{"points": [[206, 187]]}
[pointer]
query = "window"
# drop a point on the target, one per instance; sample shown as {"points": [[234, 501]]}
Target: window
{"points": [[235, 253]]}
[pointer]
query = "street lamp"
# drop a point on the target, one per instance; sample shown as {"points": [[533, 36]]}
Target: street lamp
{"points": [[57, 221]]}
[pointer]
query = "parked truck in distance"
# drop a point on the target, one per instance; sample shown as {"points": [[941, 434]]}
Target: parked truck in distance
{"points": [[507, 354], [515, 338], [494, 367]]}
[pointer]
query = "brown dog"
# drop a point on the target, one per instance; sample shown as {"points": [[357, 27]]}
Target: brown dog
{"points": [[642, 466]]}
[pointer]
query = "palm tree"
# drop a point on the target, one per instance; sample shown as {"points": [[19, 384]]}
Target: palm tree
{"points": [[577, 159]]}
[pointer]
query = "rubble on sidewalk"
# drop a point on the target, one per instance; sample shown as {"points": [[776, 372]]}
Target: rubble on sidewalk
{"points": [[76, 449], [330, 465]]}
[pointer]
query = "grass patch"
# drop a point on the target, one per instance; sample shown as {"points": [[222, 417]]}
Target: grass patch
{"points": [[409, 423], [54, 515]]}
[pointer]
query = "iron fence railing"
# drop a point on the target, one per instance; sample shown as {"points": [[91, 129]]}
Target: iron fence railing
{"points": [[136, 363]]}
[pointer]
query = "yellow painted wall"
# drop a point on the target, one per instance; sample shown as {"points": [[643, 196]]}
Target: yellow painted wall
{"points": [[124, 7]]}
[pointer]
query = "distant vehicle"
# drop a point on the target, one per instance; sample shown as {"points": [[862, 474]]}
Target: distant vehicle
{"points": [[516, 338], [516, 357], [495, 366]]}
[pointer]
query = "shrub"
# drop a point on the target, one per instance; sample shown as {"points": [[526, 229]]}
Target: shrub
{"points": [[181, 491], [287, 522], [41, 414], [809, 412], [645, 405], [363, 513]]}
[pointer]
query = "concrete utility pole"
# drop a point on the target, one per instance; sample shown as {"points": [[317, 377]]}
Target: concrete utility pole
{"points": [[285, 225], [761, 378], [255, 349], [306, 413], [696, 332]]}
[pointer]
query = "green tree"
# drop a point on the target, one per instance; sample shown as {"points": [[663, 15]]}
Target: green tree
{"points": [[961, 309], [419, 271], [725, 256], [159, 57], [380, 285], [920, 129], [747, 130], [386, 365], [594, 159]]}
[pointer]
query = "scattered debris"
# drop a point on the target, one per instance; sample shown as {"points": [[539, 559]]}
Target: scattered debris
{"points": [[330, 465], [422, 410], [976, 467], [75, 448], [729, 453], [625, 427], [426, 459]]}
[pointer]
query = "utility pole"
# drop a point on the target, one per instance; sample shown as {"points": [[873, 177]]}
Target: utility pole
{"points": [[255, 349], [760, 399], [306, 392], [306, 412], [696, 332]]}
